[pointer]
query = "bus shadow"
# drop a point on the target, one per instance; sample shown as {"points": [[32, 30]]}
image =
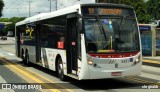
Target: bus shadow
{"points": [[104, 84]]}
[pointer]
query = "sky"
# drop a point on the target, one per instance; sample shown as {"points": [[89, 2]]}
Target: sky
{"points": [[20, 8]]}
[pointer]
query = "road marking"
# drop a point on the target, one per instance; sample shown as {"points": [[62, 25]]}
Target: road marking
{"points": [[142, 81], [25, 73], [11, 66], [151, 61], [139, 80], [49, 80], [4, 90], [11, 54]]}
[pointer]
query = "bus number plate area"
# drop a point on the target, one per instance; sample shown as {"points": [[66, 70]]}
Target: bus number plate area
{"points": [[116, 73]]}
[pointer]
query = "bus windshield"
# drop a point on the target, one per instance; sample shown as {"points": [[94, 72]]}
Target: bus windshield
{"points": [[109, 35]]}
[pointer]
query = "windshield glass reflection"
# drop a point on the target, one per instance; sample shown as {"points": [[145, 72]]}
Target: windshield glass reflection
{"points": [[111, 35]]}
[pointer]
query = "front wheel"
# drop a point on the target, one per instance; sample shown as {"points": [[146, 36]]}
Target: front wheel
{"points": [[26, 59], [60, 69]]}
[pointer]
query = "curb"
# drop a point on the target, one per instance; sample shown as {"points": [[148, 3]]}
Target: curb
{"points": [[7, 44], [151, 62], [151, 59]]}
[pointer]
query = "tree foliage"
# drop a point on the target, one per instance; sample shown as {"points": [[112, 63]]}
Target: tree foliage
{"points": [[153, 8], [1, 7], [10, 27]]}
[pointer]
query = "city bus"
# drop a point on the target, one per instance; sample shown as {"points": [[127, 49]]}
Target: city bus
{"points": [[84, 41]]}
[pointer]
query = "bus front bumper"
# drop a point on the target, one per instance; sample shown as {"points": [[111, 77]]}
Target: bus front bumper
{"points": [[95, 73]]}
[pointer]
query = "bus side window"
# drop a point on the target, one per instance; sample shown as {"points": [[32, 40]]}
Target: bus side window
{"points": [[62, 39]]}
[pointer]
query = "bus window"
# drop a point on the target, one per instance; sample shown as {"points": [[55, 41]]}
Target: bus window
{"points": [[111, 35], [52, 32]]}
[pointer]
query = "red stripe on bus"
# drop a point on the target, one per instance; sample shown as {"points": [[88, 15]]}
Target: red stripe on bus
{"points": [[117, 55]]}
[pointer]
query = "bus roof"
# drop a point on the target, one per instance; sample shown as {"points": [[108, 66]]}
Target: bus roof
{"points": [[43, 16], [64, 11]]}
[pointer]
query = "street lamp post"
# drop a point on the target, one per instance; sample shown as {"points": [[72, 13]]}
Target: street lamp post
{"points": [[51, 5], [29, 8]]}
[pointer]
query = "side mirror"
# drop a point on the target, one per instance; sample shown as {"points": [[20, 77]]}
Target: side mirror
{"points": [[158, 24], [79, 16]]}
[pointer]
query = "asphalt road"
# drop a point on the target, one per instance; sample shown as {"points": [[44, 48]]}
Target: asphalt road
{"points": [[13, 71]]}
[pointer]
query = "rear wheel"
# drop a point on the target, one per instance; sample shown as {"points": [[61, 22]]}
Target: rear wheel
{"points": [[60, 70], [23, 57], [27, 59]]}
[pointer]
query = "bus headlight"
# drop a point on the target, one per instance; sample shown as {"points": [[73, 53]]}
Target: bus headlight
{"points": [[137, 60], [89, 60]]}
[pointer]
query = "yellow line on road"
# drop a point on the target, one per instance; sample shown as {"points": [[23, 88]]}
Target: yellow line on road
{"points": [[141, 81], [10, 65], [37, 80], [151, 61], [51, 81], [37, 75]]}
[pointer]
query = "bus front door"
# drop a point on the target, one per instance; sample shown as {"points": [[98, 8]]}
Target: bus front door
{"points": [[71, 45]]}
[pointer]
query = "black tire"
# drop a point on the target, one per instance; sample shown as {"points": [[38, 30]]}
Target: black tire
{"points": [[27, 59], [23, 58], [60, 70]]}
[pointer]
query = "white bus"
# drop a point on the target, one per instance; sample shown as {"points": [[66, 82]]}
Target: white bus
{"points": [[85, 41]]}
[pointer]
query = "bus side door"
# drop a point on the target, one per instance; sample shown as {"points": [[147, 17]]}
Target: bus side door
{"points": [[72, 42]]}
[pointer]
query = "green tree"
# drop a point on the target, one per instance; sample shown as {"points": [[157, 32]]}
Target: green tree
{"points": [[153, 8], [1, 7], [10, 27]]}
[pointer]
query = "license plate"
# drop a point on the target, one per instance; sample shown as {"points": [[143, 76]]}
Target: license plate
{"points": [[116, 73]]}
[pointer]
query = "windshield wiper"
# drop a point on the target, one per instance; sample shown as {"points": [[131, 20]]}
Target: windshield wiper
{"points": [[101, 28]]}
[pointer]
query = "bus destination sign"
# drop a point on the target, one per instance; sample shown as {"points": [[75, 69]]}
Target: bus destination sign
{"points": [[107, 11], [111, 11]]}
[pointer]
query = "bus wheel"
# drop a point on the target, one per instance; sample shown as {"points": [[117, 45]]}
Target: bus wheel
{"points": [[60, 69], [23, 57], [26, 59]]}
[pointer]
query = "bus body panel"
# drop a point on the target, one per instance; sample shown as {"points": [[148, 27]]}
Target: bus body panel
{"points": [[84, 68], [48, 57], [101, 74]]}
